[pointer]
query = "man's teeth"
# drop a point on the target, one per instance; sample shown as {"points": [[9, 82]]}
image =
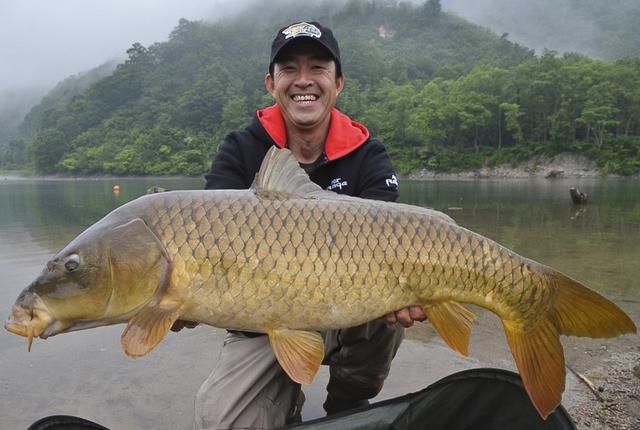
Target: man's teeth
{"points": [[304, 99]]}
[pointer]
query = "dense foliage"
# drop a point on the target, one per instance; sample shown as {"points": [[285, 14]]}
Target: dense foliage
{"points": [[441, 93], [495, 115]]}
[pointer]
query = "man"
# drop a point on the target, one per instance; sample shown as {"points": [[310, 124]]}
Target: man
{"points": [[247, 389]]}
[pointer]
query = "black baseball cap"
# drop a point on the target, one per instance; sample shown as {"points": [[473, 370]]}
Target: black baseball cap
{"points": [[312, 30]]}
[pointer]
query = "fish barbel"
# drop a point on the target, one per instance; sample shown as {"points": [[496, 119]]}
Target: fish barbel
{"points": [[289, 259]]}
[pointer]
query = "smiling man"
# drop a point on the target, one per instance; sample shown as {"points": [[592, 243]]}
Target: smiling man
{"points": [[247, 389]]}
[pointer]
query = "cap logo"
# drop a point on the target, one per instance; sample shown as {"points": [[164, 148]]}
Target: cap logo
{"points": [[301, 29]]}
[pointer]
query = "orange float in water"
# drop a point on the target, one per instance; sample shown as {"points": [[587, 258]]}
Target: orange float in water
{"points": [[116, 188]]}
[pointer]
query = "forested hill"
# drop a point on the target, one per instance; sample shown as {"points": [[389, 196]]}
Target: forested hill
{"points": [[62, 94], [439, 91], [14, 134]]}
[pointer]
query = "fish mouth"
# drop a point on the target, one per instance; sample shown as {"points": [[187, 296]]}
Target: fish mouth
{"points": [[30, 320]]}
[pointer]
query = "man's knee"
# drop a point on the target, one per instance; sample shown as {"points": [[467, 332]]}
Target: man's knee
{"points": [[361, 360], [247, 388]]}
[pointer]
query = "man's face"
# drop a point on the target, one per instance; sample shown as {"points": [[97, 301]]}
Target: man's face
{"points": [[304, 84]]}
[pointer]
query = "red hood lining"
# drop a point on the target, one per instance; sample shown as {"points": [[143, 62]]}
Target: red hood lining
{"points": [[345, 135]]}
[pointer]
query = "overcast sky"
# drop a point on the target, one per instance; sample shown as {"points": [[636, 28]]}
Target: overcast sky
{"points": [[44, 41]]}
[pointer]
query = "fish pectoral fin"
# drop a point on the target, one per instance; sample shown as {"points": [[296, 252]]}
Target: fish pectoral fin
{"points": [[453, 323], [148, 327], [299, 352], [540, 361]]}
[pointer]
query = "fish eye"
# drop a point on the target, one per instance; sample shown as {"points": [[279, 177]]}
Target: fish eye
{"points": [[72, 262]]}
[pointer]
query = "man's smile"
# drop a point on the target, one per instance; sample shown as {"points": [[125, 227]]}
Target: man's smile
{"points": [[304, 99]]}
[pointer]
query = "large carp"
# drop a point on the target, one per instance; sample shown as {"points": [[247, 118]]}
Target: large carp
{"points": [[289, 259]]}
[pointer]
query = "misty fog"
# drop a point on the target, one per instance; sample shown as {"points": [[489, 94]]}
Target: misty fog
{"points": [[44, 42], [562, 26]]}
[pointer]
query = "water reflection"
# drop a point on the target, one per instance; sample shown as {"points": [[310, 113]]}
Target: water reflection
{"points": [[73, 201], [597, 243]]}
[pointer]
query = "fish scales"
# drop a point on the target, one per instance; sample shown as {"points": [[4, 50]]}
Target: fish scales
{"points": [[256, 248], [289, 259]]}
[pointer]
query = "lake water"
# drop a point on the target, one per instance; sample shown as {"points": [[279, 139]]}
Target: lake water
{"points": [[598, 243]]}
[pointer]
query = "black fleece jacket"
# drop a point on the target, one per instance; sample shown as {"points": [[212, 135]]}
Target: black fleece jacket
{"points": [[352, 163]]}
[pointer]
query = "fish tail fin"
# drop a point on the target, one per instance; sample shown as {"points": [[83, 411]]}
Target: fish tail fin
{"points": [[540, 361], [580, 311], [576, 311]]}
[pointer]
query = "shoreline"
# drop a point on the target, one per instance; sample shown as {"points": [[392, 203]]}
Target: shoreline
{"points": [[15, 177], [561, 166]]}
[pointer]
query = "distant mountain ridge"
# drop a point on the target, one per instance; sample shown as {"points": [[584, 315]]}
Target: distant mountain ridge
{"points": [[207, 79]]}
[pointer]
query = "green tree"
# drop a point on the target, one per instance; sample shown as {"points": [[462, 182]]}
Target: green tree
{"points": [[235, 114], [428, 123], [47, 149], [512, 115], [599, 112]]}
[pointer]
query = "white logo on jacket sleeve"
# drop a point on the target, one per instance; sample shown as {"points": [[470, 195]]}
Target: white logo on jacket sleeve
{"points": [[337, 183], [392, 182]]}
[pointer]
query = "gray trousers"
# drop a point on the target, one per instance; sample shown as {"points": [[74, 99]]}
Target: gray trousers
{"points": [[248, 389]]}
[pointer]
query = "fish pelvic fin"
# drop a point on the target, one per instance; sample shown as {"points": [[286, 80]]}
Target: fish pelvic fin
{"points": [[149, 326], [580, 311], [540, 360], [299, 352], [453, 323]]}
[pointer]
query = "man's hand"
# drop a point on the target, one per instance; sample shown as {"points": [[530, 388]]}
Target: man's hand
{"points": [[405, 316], [180, 324]]}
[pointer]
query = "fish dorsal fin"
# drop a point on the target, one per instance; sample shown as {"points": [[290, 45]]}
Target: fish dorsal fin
{"points": [[299, 352], [281, 176]]}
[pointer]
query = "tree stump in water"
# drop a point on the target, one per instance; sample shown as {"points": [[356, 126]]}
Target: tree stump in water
{"points": [[577, 196]]}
